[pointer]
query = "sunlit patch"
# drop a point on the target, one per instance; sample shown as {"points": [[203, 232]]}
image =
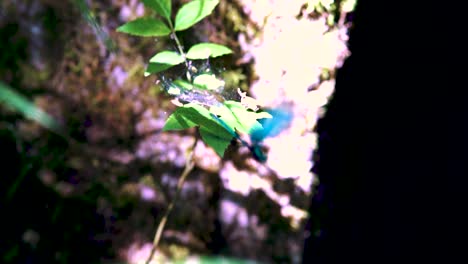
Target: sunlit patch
{"points": [[31, 237], [138, 254], [234, 215], [119, 76], [165, 148], [294, 214], [244, 183], [190, 187], [149, 123], [206, 158], [247, 101], [231, 212], [131, 11], [47, 177], [240, 182], [147, 193], [65, 189]]}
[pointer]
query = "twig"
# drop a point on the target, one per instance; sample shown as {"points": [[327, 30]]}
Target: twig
{"points": [[188, 168], [180, 48]]}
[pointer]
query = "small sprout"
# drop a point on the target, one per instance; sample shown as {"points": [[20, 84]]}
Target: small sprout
{"points": [[173, 91], [247, 101], [176, 102]]}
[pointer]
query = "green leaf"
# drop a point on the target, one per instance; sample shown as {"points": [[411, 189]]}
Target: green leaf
{"points": [[206, 50], [167, 57], [192, 12], [229, 119], [183, 84], [21, 104], [145, 27], [236, 116], [219, 144], [248, 118], [200, 84], [261, 115], [162, 7], [193, 113], [201, 116], [177, 121], [174, 91], [156, 67], [163, 61], [208, 81], [240, 107]]}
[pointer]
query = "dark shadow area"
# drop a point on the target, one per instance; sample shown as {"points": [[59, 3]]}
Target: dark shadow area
{"points": [[39, 226], [393, 145]]}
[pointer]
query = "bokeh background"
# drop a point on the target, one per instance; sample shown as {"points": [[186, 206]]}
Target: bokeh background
{"points": [[93, 188]]}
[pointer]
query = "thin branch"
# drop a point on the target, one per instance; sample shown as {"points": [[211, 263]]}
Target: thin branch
{"points": [[188, 168], [181, 49]]}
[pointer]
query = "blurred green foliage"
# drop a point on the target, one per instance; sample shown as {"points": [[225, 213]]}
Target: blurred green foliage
{"points": [[19, 103]]}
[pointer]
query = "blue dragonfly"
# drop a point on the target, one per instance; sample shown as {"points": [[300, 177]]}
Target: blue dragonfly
{"points": [[270, 127]]}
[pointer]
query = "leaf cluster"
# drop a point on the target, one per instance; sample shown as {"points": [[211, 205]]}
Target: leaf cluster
{"points": [[218, 120]]}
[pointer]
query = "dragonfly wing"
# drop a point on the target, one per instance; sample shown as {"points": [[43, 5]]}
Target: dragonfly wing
{"points": [[281, 119]]}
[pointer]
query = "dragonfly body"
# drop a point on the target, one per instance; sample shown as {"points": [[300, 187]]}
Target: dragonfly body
{"points": [[281, 117], [271, 127]]}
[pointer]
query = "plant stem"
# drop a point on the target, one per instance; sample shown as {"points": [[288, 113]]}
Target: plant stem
{"points": [[188, 168], [179, 47], [181, 50]]}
